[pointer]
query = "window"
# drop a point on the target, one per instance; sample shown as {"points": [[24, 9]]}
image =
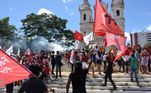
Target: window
{"points": [[84, 17], [118, 12]]}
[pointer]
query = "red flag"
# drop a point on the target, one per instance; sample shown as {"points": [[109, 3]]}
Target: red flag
{"points": [[99, 25], [78, 36], [10, 70], [103, 22], [119, 54], [112, 39]]}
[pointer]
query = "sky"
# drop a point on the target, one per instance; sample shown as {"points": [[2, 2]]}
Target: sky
{"points": [[137, 12]]}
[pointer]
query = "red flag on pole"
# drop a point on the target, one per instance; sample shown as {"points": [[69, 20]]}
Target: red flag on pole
{"points": [[10, 70], [99, 25], [103, 22], [78, 36], [112, 39], [125, 51]]}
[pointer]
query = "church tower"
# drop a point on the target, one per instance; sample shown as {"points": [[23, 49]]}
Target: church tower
{"points": [[86, 20], [117, 8]]}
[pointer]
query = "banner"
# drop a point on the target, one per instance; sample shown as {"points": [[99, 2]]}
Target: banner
{"points": [[10, 70]]}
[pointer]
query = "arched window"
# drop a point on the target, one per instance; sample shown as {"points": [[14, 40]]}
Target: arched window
{"points": [[84, 17], [118, 12]]}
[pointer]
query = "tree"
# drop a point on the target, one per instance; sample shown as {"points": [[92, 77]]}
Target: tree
{"points": [[47, 26], [7, 31]]}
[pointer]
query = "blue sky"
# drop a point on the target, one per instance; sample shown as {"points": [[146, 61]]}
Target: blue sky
{"points": [[137, 12]]}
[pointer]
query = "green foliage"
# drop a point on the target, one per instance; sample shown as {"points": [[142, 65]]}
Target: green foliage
{"points": [[6, 30], [45, 25]]}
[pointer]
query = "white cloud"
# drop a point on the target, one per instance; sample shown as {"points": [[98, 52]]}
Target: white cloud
{"points": [[10, 9], [43, 10], [71, 14], [128, 36], [65, 1], [66, 8], [69, 0], [148, 28]]}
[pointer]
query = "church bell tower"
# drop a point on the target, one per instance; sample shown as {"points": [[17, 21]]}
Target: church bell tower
{"points": [[86, 20], [117, 8]]}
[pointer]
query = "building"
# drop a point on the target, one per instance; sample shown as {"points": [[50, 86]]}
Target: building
{"points": [[140, 38], [86, 18]]}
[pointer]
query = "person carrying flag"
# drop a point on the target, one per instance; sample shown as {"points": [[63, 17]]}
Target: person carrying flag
{"points": [[109, 71]]}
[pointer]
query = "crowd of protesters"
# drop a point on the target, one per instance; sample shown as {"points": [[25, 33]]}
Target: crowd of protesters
{"points": [[51, 62]]}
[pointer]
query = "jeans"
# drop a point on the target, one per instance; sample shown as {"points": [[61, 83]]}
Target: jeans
{"points": [[53, 67], [58, 69], [134, 71]]}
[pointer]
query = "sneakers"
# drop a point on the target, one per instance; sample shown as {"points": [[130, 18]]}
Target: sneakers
{"points": [[132, 80], [114, 88]]}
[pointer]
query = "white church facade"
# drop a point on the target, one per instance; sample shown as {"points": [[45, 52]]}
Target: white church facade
{"points": [[86, 16]]}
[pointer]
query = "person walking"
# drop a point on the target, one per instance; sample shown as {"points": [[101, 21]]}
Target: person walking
{"points": [[58, 64], [134, 67], [109, 71]]}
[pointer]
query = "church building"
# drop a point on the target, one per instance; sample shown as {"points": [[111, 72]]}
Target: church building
{"points": [[86, 16]]}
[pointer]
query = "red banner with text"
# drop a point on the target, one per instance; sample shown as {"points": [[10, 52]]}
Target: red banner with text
{"points": [[11, 70]]}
